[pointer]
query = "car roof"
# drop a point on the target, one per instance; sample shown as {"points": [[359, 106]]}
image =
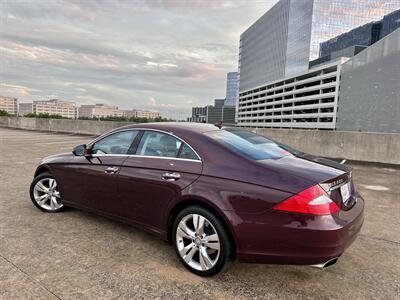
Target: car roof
{"points": [[174, 127]]}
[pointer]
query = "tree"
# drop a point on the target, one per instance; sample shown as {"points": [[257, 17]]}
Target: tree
{"points": [[3, 113], [44, 116]]}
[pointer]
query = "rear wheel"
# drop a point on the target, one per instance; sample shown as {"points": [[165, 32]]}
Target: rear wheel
{"points": [[45, 194], [201, 241]]}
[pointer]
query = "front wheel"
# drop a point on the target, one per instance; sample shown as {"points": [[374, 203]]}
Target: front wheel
{"points": [[45, 194], [201, 241]]}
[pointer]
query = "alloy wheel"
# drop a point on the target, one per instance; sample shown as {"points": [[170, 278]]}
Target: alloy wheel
{"points": [[47, 195], [198, 242]]}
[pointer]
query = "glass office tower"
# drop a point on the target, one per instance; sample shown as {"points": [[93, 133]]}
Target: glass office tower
{"points": [[332, 18], [232, 89], [283, 41]]}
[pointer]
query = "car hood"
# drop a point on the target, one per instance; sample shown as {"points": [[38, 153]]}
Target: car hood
{"points": [[57, 158]]}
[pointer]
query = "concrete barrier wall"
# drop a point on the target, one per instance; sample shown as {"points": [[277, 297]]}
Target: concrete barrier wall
{"points": [[61, 125], [360, 146]]}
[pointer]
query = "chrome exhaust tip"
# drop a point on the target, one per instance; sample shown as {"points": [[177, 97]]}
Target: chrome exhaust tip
{"points": [[326, 264]]}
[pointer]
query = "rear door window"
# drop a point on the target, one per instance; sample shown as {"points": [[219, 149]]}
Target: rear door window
{"points": [[160, 144], [188, 153]]}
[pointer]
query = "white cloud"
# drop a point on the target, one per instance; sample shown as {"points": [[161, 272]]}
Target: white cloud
{"points": [[123, 53]]}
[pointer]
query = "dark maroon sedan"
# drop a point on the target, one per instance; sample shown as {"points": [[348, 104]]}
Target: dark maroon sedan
{"points": [[215, 194]]}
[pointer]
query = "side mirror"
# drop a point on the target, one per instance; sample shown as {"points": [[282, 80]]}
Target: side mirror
{"points": [[80, 150]]}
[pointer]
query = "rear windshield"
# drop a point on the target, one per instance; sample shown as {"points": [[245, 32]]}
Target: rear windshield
{"points": [[253, 146], [252, 137]]}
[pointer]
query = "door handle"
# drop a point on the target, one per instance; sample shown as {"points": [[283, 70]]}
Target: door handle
{"points": [[111, 170], [171, 176]]}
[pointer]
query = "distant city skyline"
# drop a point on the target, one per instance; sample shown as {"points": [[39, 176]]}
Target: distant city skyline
{"points": [[71, 109], [164, 55]]}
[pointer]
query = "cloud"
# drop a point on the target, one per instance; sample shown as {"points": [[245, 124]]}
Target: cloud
{"points": [[153, 103], [123, 52], [16, 90]]}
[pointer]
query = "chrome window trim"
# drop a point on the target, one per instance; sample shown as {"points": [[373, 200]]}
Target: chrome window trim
{"points": [[134, 155], [147, 156]]}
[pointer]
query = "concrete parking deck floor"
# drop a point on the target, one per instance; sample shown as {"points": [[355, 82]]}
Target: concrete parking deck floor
{"points": [[77, 255]]}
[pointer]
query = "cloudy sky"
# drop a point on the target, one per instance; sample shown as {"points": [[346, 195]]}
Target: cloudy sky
{"points": [[160, 55]]}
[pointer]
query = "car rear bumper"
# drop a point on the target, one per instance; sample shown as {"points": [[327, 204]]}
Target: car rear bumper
{"points": [[287, 238]]}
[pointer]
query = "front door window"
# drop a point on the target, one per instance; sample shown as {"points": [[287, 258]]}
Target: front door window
{"points": [[117, 143]]}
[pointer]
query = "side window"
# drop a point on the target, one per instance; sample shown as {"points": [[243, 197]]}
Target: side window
{"points": [[117, 143], [158, 144], [188, 153]]}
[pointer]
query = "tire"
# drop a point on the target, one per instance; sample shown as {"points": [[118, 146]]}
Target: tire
{"points": [[44, 193], [198, 249]]}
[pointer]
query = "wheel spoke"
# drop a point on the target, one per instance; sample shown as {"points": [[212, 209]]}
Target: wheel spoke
{"points": [[39, 198], [56, 194], [198, 223], [211, 238], [212, 245], [205, 260], [41, 188], [52, 203], [42, 199], [202, 262], [188, 257], [54, 199], [51, 182], [185, 249], [185, 231]]}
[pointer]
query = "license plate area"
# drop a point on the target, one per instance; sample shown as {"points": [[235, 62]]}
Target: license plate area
{"points": [[345, 192]]}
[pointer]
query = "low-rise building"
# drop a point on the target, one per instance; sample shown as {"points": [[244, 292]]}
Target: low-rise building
{"points": [[135, 113], [9, 104], [25, 108], [99, 111], [212, 114], [198, 118], [66, 109]]}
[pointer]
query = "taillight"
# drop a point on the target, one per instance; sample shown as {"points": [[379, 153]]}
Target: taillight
{"points": [[314, 201]]}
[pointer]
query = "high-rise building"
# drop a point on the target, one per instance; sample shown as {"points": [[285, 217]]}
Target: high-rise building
{"points": [[390, 23], [67, 109], [99, 111], [25, 108], [232, 89], [361, 93], [9, 104], [364, 35], [219, 102], [289, 88], [283, 41]]}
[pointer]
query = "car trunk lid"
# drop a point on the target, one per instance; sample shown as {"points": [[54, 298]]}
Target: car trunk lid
{"points": [[336, 182], [309, 170], [341, 190]]}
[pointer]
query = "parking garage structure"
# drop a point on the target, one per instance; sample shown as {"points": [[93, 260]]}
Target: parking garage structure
{"points": [[308, 100]]}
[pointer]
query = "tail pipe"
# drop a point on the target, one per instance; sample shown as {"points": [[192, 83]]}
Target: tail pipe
{"points": [[326, 264]]}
